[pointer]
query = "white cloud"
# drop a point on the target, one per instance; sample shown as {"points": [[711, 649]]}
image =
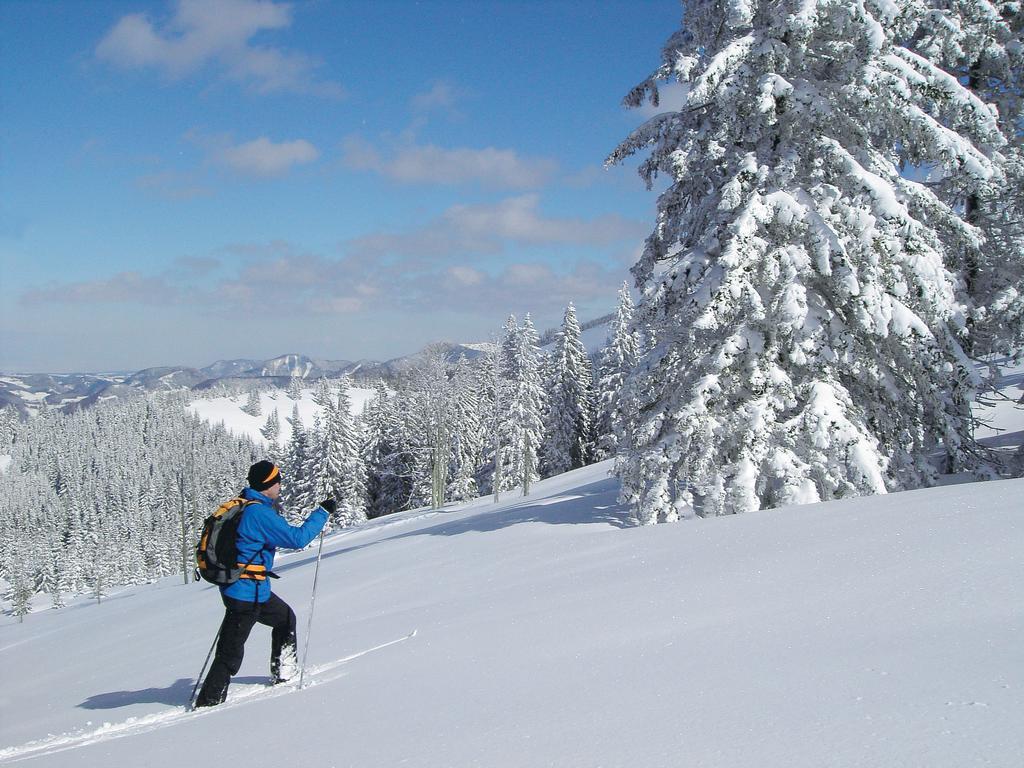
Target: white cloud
{"points": [[262, 157], [338, 305], [487, 229], [518, 219], [442, 95], [122, 288], [202, 33], [466, 276], [430, 164], [520, 275], [518, 287], [316, 298]]}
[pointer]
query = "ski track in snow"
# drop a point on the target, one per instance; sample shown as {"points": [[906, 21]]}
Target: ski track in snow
{"points": [[241, 694]]}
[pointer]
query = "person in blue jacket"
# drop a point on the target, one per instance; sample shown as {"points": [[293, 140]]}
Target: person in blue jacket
{"points": [[249, 600]]}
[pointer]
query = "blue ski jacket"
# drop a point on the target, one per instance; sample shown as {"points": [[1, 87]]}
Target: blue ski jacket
{"points": [[260, 533]]}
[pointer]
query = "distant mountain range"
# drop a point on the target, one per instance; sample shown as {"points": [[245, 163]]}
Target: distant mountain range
{"points": [[69, 391], [28, 392]]}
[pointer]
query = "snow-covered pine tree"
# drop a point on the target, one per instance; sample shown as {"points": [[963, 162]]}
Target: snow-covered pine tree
{"points": [[486, 380], [323, 394], [295, 388], [296, 487], [252, 404], [568, 438], [184, 524], [94, 496], [54, 568], [430, 421], [806, 333], [618, 358], [520, 406], [323, 463], [503, 452], [8, 424], [386, 489], [468, 434], [271, 430], [981, 42], [20, 590], [339, 472], [100, 566], [354, 486]]}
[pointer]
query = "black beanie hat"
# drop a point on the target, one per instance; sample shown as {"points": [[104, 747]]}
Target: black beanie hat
{"points": [[263, 474]]}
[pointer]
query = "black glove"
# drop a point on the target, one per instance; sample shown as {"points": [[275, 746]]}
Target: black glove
{"points": [[330, 505]]}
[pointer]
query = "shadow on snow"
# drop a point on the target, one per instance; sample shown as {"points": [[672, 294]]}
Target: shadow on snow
{"points": [[177, 692], [591, 503]]}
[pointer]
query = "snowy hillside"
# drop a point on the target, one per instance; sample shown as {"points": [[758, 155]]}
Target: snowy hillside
{"points": [[881, 631], [228, 411]]}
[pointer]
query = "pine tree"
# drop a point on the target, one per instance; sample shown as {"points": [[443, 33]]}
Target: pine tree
{"points": [[19, 592], [296, 487], [99, 565], [486, 381], [618, 358], [386, 487], [252, 404], [8, 426], [468, 433], [76, 478], [322, 394], [806, 331], [354, 487], [339, 472], [521, 405], [982, 44], [569, 408], [429, 427], [323, 462], [271, 430]]}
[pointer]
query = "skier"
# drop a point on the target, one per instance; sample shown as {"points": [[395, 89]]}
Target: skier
{"points": [[249, 600]]}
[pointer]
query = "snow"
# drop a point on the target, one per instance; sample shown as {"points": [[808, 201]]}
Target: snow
{"points": [[5, 462], [866, 632], [1003, 418], [33, 397], [874, 631], [482, 346], [228, 410]]}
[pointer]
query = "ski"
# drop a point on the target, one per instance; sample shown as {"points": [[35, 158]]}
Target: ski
{"points": [[238, 695]]}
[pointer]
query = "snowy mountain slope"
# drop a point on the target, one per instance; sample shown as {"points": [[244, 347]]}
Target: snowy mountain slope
{"points": [[871, 632], [228, 411]]}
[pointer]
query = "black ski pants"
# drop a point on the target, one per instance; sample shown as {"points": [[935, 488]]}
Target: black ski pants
{"points": [[239, 619]]}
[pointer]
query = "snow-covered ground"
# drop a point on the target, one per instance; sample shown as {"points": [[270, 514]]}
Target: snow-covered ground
{"points": [[1004, 415], [882, 631], [228, 411]]}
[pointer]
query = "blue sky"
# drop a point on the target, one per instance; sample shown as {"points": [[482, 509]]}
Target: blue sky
{"points": [[183, 181]]}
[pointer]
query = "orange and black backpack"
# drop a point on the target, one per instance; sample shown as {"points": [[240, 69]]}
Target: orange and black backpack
{"points": [[217, 551]]}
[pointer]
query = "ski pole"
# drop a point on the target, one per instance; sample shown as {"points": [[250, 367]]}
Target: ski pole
{"points": [[192, 698], [312, 603]]}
